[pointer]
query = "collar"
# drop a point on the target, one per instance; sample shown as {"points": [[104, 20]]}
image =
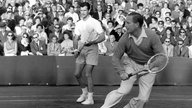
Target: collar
{"points": [[142, 35]]}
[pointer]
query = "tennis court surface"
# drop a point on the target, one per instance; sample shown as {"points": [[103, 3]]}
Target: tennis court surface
{"points": [[65, 96]]}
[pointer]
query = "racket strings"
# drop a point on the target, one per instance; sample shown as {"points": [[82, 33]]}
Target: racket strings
{"points": [[158, 63]]}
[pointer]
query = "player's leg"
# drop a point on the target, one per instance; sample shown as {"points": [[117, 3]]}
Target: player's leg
{"points": [[145, 86], [115, 96], [91, 61], [89, 70], [78, 74]]}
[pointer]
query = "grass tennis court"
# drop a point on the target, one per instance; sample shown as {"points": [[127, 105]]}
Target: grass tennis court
{"points": [[65, 96]]}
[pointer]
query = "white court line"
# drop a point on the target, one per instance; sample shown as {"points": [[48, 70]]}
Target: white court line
{"points": [[51, 100]]}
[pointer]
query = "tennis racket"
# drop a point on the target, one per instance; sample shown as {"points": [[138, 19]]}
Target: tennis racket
{"points": [[154, 65]]}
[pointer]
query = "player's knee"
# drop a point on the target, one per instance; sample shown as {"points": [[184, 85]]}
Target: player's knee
{"points": [[88, 75], [123, 91]]}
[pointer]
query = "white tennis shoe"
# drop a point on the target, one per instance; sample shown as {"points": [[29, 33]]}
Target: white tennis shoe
{"points": [[82, 98], [88, 102]]}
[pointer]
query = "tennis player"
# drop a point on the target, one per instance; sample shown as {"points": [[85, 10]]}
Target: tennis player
{"points": [[140, 45], [88, 33]]}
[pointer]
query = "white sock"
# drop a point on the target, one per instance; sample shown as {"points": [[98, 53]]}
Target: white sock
{"points": [[90, 95], [84, 91]]}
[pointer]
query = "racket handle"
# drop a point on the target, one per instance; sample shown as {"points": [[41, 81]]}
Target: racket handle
{"points": [[130, 75]]}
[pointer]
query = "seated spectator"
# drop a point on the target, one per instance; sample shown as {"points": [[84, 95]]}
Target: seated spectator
{"points": [[181, 50], [106, 19], [53, 48], [168, 47], [20, 28], [42, 34], [66, 45], [154, 22], [170, 35], [38, 47], [57, 33], [69, 26], [3, 36], [72, 14], [161, 28], [37, 21], [167, 22], [111, 44], [24, 46], [10, 46], [183, 36]]}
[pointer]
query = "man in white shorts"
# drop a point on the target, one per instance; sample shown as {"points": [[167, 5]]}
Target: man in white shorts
{"points": [[88, 33]]}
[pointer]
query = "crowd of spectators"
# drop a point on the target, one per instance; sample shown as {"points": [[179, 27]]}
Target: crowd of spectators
{"points": [[46, 27]]}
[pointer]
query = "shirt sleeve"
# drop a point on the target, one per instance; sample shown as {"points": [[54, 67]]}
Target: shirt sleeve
{"points": [[77, 32], [118, 53], [157, 45], [98, 27]]}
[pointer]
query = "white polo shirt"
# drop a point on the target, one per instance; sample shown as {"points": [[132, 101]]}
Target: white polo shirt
{"points": [[88, 29]]}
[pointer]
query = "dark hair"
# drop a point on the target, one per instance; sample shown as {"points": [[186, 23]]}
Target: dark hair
{"points": [[170, 29], [140, 4], [22, 18], [110, 7], [39, 25], [69, 33], [13, 35], [155, 18], [161, 22], [110, 22], [71, 6], [54, 36], [85, 4], [137, 18], [113, 32], [56, 18], [182, 29], [37, 18], [70, 18]]}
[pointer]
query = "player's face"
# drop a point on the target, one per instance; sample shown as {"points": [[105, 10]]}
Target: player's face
{"points": [[84, 12], [130, 25]]}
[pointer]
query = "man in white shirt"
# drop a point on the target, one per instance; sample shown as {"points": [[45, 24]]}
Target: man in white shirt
{"points": [[88, 33], [72, 14]]}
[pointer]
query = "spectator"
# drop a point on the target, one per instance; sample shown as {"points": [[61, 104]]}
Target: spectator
{"points": [[99, 14], [168, 47], [170, 35], [111, 44], [3, 37], [66, 45], [183, 36], [181, 50], [160, 28], [10, 46], [53, 48], [165, 9], [175, 12], [58, 33], [38, 47], [42, 34], [24, 46], [167, 22], [72, 14], [69, 26], [154, 22], [37, 21]]}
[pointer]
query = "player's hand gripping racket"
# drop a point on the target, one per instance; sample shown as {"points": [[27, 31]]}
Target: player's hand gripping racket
{"points": [[92, 37], [154, 65]]}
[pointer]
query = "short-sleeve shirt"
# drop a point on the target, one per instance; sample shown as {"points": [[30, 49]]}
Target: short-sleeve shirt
{"points": [[88, 29]]}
